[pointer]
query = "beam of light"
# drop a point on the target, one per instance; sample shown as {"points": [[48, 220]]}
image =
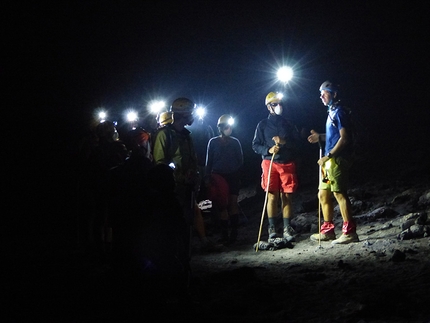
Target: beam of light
{"points": [[102, 115], [131, 116], [285, 74], [230, 121], [155, 107], [201, 112]]}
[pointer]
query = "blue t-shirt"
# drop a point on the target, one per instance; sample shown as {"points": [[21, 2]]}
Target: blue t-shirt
{"points": [[337, 119]]}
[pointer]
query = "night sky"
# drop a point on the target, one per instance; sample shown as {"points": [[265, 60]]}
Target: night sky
{"points": [[69, 59], [65, 59]]}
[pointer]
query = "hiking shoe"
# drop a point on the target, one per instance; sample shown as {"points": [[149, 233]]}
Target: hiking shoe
{"points": [[272, 235], [281, 243], [346, 238], [324, 236], [289, 233], [263, 245]]}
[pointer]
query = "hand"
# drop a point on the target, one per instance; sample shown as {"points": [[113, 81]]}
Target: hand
{"points": [[313, 137], [278, 140], [322, 160], [274, 149]]}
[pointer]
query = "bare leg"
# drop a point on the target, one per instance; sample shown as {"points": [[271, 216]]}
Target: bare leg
{"points": [[272, 204], [287, 205], [344, 205], [326, 204]]}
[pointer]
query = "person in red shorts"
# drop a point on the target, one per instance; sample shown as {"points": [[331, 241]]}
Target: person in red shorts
{"points": [[224, 162], [276, 136]]}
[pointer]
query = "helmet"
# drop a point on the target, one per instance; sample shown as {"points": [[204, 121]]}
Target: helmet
{"points": [[273, 96], [106, 130], [182, 105], [329, 86], [223, 120], [165, 118], [139, 135]]}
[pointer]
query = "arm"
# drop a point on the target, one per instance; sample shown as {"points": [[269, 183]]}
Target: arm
{"points": [[209, 158], [239, 153], [340, 145], [258, 143], [314, 137], [160, 152]]}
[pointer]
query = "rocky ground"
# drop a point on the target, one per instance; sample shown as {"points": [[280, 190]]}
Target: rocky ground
{"points": [[383, 278]]}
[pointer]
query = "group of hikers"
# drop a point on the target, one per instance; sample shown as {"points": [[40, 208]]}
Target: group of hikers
{"points": [[142, 190]]}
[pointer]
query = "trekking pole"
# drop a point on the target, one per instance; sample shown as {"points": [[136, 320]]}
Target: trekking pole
{"points": [[265, 202], [319, 202]]}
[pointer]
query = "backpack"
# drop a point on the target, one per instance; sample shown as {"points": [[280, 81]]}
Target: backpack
{"points": [[170, 147], [358, 132]]}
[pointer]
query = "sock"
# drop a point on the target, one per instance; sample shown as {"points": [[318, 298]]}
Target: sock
{"points": [[286, 222], [272, 222]]}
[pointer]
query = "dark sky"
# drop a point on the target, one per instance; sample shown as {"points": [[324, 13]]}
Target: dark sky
{"points": [[65, 59]]}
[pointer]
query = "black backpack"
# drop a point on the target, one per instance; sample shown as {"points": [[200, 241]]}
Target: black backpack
{"points": [[358, 132]]}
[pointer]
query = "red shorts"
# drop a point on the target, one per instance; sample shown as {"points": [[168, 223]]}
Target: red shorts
{"points": [[283, 177], [218, 191]]}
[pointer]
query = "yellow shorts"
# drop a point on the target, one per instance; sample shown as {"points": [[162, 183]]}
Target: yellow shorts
{"points": [[335, 174]]}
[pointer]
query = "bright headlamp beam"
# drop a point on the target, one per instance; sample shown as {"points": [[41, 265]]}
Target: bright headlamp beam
{"points": [[102, 115], [230, 121], [285, 74], [156, 107], [201, 112], [131, 116]]}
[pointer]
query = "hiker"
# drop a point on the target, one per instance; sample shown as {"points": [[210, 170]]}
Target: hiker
{"points": [[129, 186], [201, 132], [224, 161], [174, 146], [275, 137], [164, 119], [138, 142], [335, 165], [151, 238], [105, 157]]}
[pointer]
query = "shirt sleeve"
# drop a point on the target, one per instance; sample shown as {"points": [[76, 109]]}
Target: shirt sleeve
{"points": [[209, 157], [258, 143], [160, 152]]}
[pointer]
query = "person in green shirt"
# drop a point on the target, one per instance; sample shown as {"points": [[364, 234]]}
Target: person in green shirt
{"points": [[174, 146]]}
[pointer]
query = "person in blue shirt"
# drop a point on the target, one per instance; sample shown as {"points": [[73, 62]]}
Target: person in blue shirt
{"points": [[276, 137], [335, 164], [224, 161]]}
